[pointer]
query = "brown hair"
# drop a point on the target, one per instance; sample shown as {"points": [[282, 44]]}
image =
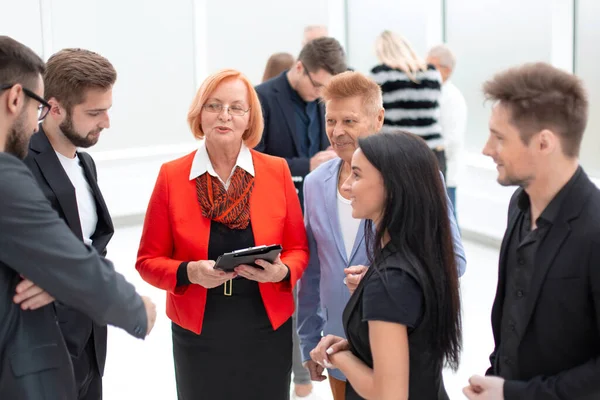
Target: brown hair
{"points": [[253, 134], [276, 64], [324, 53], [72, 72], [19, 64], [351, 84], [540, 96]]}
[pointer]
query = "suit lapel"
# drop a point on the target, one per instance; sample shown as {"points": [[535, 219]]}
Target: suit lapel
{"points": [[287, 108], [104, 228], [58, 181], [331, 192]]}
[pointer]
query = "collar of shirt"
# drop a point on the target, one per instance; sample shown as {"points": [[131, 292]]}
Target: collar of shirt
{"points": [[202, 164], [553, 208]]}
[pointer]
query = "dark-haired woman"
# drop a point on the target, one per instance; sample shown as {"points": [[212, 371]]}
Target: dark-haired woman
{"points": [[403, 321]]}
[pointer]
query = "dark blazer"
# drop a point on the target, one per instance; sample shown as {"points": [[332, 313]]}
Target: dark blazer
{"points": [[54, 182], [559, 351], [36, 243], [279, 136]]}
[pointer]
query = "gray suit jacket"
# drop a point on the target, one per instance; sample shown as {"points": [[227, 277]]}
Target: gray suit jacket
{"points": [[36, 243]]}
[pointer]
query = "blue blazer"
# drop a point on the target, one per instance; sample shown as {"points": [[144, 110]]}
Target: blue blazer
{"points": [[322, 295], [279, 135]]}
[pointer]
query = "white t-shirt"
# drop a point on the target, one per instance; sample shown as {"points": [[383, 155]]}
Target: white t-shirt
{"points": [[86, 204], [348, 224], [453, 118]]}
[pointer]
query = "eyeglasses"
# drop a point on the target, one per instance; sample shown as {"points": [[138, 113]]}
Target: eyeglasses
{"points": [[315, 84], [217, 108], [43, 108]]}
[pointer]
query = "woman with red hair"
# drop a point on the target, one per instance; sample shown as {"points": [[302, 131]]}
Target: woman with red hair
{"points": [[232, 332]]}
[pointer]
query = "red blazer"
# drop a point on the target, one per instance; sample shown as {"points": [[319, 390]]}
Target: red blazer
{"points": [[175, 231]]}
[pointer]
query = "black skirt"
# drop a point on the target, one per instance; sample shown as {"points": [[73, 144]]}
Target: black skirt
{"points": [[238, 354]]}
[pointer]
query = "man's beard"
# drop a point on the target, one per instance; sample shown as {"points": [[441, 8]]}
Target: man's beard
{"points": [[67, 128], [17, 141]]}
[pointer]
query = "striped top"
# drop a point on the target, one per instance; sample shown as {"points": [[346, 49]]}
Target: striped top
{"points": [[411, 106]]}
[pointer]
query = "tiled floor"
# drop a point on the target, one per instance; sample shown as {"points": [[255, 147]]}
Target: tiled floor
{"points": [[138, 369]]}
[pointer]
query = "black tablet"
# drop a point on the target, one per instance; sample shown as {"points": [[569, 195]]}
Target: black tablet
{"points": [[228, 261]]}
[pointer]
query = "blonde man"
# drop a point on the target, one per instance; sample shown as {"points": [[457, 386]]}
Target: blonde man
{"points": [[336, 241]]}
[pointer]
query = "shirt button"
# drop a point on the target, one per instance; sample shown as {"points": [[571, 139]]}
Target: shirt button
{"points": [[138, 331], [519, 293], [521, 261], [512, 326]]}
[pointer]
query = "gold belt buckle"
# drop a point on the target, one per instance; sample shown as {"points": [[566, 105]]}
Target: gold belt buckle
{"points": [[228, 287]]}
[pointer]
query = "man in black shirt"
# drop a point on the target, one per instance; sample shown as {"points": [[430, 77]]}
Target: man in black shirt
{"points": [[546, 314]]}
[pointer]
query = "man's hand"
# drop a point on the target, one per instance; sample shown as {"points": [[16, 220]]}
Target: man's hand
{"points": [[30, 296], [485, 388], [321, 157], [354, 275], [316, 370], [150, 313]]}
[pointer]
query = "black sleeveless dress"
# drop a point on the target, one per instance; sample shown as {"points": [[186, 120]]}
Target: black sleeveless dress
{"points": [[394, 294]]}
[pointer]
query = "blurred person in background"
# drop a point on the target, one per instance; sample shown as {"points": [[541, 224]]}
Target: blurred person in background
{"points": [[276, 64], [312, 32], [453, 117], [411, 92], [294, 117]]}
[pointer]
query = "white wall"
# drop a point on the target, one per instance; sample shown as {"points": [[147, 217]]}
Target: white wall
{"points": [[587, 61], [487, 37], [22, 21], [243, 34], [162, 50]]}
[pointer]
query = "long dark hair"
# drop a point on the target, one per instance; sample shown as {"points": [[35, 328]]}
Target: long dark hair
{"points": [[415, 216]]}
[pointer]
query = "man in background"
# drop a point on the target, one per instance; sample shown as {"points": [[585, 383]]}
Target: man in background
{"points": [[453, 118], [40, 258], [312, 32], [78, 86]]}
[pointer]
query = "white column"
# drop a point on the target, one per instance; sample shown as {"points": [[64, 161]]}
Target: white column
{"points": [[336, 21], [562, 50], [200, 41], [46, 25]]}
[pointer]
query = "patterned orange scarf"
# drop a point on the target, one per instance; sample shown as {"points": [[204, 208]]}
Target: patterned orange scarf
{"points": [[229, 207]]}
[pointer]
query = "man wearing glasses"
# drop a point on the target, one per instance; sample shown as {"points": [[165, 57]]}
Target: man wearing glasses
{"points": [[295, 130], [78, 86], [294, 118], [37, 246]]}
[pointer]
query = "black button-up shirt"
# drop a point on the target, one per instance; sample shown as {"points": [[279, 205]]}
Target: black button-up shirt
{"points": [[520, 266]]}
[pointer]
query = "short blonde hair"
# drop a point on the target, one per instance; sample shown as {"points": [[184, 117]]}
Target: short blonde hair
{"points": [[256, 124], [352, 84]]}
